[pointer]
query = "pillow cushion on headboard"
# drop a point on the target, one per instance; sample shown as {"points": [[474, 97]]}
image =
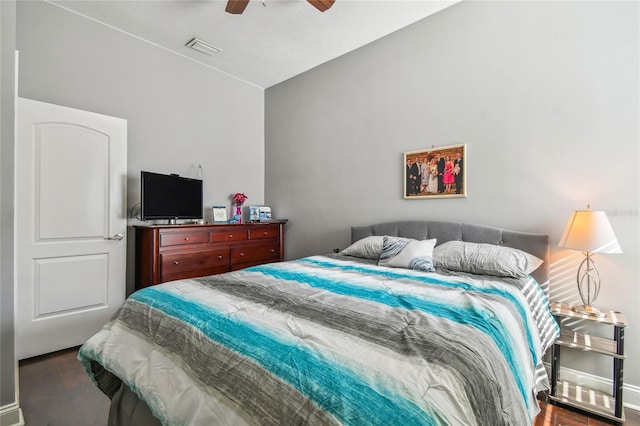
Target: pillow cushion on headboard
{"points": [[398, 252], [366, 248], [534, 244], [484, 259]]}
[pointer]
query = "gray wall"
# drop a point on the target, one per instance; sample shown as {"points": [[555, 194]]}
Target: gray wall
{"points": [[8, 362], [544, 94], [180, 114]]}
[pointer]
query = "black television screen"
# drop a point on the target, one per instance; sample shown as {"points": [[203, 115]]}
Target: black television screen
{"points": [[170, 197]]}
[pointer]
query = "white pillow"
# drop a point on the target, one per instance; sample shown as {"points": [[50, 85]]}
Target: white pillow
{"points": [[367, 248], [400, 252], [484, 259]]}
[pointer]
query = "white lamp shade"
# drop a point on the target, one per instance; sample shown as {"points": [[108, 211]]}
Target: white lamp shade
{"points": [[590, 231]]}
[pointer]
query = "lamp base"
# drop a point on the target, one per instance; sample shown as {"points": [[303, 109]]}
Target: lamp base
{"points": [[588, 310]]}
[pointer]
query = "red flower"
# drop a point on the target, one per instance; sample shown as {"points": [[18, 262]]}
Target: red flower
{"points": [[239, 197]]}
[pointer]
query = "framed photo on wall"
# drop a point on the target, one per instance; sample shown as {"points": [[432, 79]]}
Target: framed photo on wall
{"points": [[436, 172]]}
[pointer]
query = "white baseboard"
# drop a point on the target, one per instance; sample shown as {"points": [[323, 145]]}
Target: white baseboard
{"points": [[11, 415], [630, 393]]}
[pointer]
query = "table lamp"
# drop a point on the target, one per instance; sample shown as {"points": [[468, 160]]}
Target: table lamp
{"points": [[590, 232]]}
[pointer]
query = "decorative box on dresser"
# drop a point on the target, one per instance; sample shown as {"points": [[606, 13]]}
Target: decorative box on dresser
{"points": [[171, 252], [609, 405]]}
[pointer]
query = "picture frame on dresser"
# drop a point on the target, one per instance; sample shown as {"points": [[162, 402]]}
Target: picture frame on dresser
{"points": [[260, 214], [254, 213], [219, 214], [265, 214]]}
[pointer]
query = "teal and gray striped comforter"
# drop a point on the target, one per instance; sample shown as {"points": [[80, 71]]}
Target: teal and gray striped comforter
{"points": [[330, 340]]}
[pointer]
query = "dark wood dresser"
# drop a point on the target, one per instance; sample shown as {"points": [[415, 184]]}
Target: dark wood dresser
{"points": [[172, 252]]}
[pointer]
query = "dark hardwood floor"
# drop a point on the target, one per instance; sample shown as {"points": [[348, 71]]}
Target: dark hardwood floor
{"points": [[55, 390], [555, 415]]}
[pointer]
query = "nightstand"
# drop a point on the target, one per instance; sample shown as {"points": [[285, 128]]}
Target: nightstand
{"points": [[603, 404]]}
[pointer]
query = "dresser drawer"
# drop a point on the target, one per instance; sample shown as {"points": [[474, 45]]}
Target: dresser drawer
{"points": [[183, 237], [253, 253], [229, 235], [173, 263], [264, 232]]}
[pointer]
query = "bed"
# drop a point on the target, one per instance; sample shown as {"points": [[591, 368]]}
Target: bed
{"points": [[416, 322]]}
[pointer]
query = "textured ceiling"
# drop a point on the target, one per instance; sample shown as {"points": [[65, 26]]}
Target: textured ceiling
{"points": [[270, 42]]}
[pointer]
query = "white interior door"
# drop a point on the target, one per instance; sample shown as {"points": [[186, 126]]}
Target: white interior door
{"points": [[70, 224]]}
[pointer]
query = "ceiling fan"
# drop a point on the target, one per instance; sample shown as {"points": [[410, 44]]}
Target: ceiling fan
{"points": [[237, 6]]}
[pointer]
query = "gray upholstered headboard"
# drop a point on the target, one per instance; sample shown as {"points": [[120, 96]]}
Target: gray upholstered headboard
{"points": [[535, 244]]}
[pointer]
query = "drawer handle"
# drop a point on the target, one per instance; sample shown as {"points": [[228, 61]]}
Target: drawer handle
{"points": [[273, 250], [230, 235], [186, 238], [175, 262], [219, 257], [265, 233], [241, 254]]}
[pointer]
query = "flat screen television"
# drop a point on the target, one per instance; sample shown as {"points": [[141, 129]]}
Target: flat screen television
{"points": [[170, 197]]}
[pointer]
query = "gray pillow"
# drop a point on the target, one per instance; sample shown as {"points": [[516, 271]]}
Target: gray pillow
{"points": [[484, 259], [367, 248], [400, 252]]}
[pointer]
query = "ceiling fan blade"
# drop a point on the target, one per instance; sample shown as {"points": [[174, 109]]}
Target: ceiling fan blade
{"points": [[236, 6], [322, 5]]}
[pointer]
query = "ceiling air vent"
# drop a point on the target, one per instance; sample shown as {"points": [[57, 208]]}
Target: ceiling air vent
{"points": [[203, 46]]}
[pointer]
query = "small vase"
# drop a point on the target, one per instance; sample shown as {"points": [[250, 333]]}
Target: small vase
{"points": [[239, 212]]}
